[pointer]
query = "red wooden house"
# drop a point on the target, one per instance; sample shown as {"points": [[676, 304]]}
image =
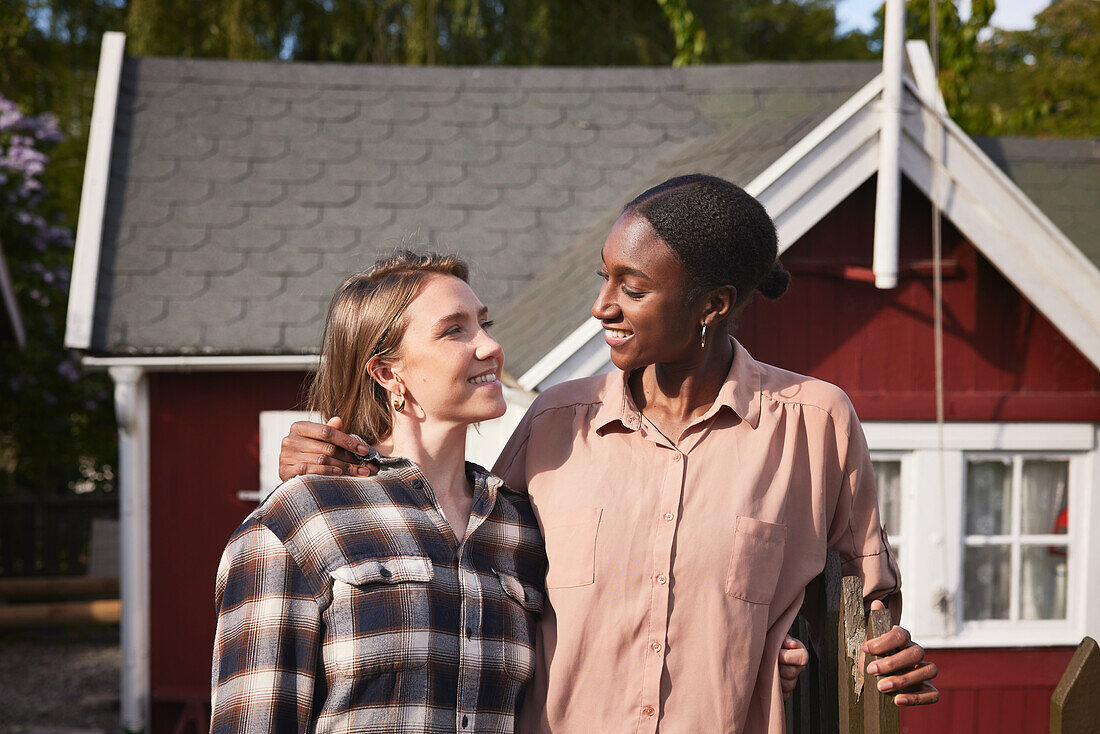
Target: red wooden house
{"points": [[224, 201]]}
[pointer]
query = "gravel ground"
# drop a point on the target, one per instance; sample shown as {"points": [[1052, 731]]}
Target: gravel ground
{"points": [[59, 680]]}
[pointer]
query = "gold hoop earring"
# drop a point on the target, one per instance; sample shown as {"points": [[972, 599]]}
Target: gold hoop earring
{"points": [[399, 403], [703, 339]]}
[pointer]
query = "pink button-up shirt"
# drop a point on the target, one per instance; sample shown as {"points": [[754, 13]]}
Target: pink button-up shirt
{"points": [[675, 570]]}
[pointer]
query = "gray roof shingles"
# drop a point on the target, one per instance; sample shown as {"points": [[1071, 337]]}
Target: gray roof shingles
{"points": [[241, 194], [1062, 177]]}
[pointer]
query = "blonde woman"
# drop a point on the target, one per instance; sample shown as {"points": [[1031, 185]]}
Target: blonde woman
{"points": [[402, 602]]}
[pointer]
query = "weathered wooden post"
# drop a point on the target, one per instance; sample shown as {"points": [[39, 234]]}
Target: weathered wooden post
{"points": [[1075, 705], [833, 696]]}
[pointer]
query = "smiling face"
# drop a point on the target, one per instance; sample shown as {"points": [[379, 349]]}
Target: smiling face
{"points": [[449, 365], [641, 303]]}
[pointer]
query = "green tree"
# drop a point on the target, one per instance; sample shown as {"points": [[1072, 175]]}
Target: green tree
{"points": [[1044, 81], [57, 423], [959, 46]]}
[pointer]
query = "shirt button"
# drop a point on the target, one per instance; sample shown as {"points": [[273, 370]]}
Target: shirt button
{"points": [[675, 457], [662, 579], [655, 646], [469, 633], [465, 722], [384, 572], [648, 710], [418, 484], [668, 516]]}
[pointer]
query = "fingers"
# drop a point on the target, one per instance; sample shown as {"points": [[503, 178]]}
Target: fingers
{"points": [[877, 605], [329, 433], [793, 658], [895, 639], [913, 679], [923, 696], [787, 686]]}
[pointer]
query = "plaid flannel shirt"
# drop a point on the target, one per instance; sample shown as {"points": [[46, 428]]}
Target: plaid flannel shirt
{"points": [[345, 605]]}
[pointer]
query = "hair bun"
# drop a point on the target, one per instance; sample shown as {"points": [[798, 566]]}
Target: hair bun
{"points": [[776, 282]]}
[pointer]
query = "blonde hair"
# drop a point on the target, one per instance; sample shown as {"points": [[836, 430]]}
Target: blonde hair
{"points": [[367, 319]]}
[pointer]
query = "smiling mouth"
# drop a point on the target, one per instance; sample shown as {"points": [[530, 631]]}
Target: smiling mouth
{"points": [[482, 379], [616, 334]]}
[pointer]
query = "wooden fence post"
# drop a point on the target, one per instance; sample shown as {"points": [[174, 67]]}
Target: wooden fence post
{"points": [[832, 697], [880, 711], [1075, 705]]}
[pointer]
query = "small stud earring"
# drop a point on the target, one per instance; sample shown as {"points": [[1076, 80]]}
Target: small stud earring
{"points": [[703, 340]]}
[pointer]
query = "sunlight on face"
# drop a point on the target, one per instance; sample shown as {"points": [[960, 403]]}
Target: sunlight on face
{"points": [[450, 365]]}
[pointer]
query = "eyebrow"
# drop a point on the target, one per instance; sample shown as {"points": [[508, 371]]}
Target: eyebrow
{"points": [[623, 270], [459, 315]]}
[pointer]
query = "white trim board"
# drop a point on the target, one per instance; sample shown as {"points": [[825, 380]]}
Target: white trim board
{"points": [[211, 363], [836, 157], [93, 195]]}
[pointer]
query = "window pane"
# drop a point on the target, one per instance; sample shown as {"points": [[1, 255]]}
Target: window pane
{"points": [[1042, 582], [986, 577], [888, 483], [988, 497], [1045, 497]]}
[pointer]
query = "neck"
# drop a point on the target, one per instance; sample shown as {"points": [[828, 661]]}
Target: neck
{"points": [[438, 449], [681, 390]]}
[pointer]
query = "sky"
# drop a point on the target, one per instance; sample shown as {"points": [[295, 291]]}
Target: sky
{"points": [[1010, 14]]}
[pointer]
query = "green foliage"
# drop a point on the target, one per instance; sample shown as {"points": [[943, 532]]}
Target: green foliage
{"points": [[691, 41], [57, 422], [958, 44], [1044, 81]]}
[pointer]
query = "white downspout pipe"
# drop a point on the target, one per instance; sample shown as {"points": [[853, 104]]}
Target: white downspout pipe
{"points": [[132, 409], [888, 195]]}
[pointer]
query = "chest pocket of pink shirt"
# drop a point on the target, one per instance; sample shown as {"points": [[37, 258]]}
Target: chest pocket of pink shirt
{"points": [[756, 561], [571, 546]]}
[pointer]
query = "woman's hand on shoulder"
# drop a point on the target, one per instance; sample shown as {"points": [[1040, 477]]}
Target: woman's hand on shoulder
{"points": [[902, 667], [321, 448]]}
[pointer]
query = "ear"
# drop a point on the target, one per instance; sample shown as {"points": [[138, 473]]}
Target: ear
{"points": [[718, 304], [386, 374]]}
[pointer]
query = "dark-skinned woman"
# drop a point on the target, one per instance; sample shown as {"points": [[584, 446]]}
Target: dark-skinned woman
{"points": [[688, 498]]}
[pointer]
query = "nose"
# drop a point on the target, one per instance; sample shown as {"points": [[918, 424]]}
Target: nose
{"points": [[606, 308], [488, 348]]}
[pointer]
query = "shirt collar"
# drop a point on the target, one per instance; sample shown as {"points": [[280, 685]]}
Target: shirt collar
{"points": [[740, 393], [479, 476]]}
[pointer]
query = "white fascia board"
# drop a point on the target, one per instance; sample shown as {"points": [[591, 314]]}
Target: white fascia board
{"points": [[1006, 226], [556, 356], [93, 195], [186, 363], [7, 291], [924, 74], [980, 436]]}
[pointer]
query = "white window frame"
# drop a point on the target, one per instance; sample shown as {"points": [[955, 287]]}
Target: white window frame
{"points": [[934, 521]]}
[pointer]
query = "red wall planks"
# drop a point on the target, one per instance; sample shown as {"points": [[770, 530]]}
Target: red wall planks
{"points": [[205, 448], [1003, 359], [1004, 690]]}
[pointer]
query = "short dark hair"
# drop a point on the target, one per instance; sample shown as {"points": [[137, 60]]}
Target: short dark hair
{"points": [[720, 234]]}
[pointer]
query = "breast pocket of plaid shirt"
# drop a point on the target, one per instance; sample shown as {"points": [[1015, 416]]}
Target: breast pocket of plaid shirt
{"points": [[756, 561], [521, 606], [571, 546], [381, 620]]}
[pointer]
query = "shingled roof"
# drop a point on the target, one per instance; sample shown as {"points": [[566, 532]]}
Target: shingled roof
{"points": [[1062, 177], [241, 194]]}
